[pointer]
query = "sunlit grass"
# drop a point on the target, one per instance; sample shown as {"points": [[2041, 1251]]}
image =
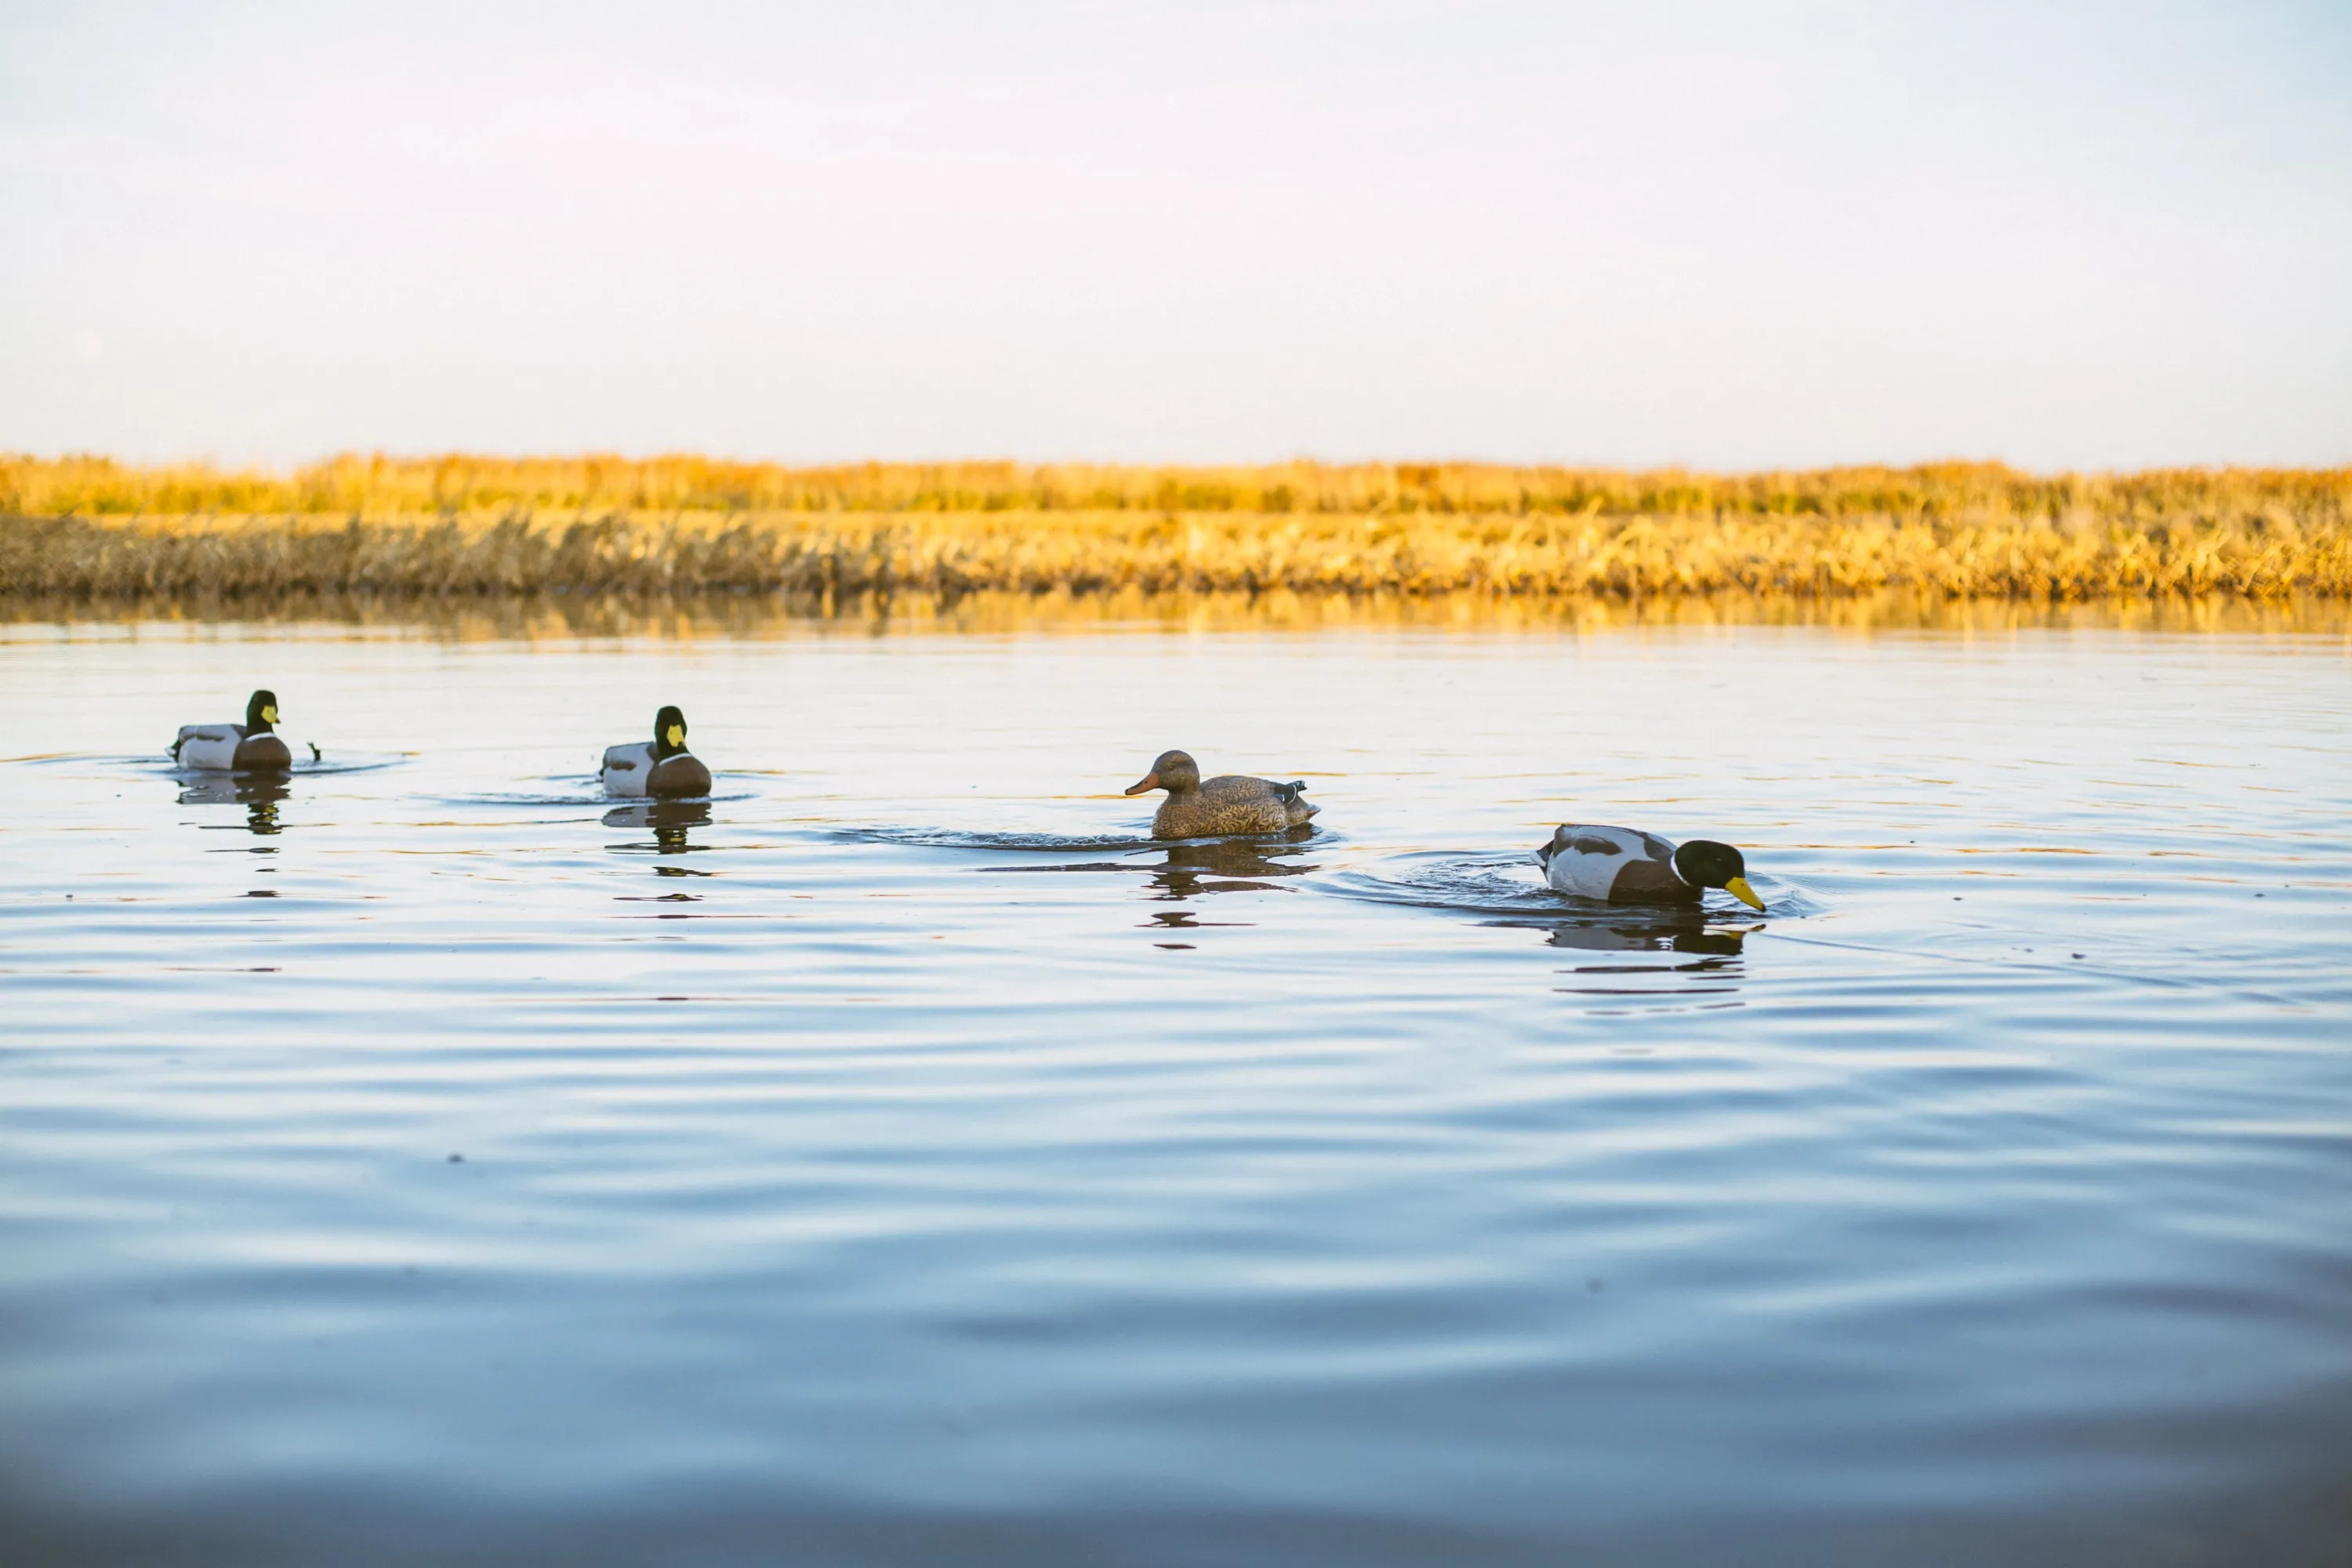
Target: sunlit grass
{"points": [[87, 527]]}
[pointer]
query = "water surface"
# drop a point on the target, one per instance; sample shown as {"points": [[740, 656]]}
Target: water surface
{"points": [[897, 1158]]}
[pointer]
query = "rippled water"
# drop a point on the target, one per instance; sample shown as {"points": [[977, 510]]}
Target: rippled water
{"points": [[898, 1160]]}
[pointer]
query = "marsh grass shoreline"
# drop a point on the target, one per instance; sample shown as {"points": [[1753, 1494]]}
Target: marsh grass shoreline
{"points": [[488, 528], [562, 617]]}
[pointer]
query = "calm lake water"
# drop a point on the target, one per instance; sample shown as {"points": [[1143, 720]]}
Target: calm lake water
{"points": [[899, 1161]]}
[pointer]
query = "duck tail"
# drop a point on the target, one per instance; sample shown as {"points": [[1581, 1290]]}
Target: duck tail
{"points": [[1291, 791]]}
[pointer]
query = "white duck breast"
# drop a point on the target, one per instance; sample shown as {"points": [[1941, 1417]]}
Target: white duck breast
{"points": [[222, 748], [1595, 862]]}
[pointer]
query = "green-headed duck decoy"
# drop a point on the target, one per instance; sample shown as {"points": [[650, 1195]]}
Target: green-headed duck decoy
{"points": [[1229, 804], [662, 766], [1625, 866], [250, 747]]}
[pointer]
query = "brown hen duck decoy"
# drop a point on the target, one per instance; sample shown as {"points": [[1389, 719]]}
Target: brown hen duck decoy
{"points": [[1231, 803]]}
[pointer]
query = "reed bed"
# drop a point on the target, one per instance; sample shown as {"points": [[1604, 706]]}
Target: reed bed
{"points": [[463, 526], [745, 616]]}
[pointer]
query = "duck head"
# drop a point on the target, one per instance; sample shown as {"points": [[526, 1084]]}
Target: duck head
{"points": [[670, 733], [261, 713], [1703, 863], [1174, 772]]}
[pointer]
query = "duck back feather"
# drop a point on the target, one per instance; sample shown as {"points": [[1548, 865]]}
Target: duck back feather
{"points": [[632, 770], [1622, 865], [1232, 802], [229, 748]]}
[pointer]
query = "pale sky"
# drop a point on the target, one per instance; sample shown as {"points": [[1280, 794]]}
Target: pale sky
{"points": [[1730, 236]]}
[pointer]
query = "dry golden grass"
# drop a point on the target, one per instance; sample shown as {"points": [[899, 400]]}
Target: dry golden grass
{"points": [[89, 527], [741, 616]]}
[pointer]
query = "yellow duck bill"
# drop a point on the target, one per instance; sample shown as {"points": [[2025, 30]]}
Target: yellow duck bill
{"points": [[1738, 888]]}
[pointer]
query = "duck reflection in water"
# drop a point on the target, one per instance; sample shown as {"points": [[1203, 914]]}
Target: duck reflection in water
{"points": [[1712, 968], [1224, 866], [258, 793], [1661, 931], [668, 819]]}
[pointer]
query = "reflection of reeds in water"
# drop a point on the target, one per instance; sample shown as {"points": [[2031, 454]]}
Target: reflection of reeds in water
{"points": [[482, 527]]}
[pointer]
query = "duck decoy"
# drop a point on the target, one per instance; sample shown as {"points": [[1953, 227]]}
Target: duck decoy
{"points": [[662, 766], [250, 747], [1231, 803], [1625, 866]]}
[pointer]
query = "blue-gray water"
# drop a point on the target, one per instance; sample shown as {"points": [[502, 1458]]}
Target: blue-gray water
{"points": [[900, 1163]]}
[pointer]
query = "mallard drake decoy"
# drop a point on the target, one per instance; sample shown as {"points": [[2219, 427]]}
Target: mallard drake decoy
{"points": [[1229, 804], [1625, 866], [662, 766], [250, 747]]}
